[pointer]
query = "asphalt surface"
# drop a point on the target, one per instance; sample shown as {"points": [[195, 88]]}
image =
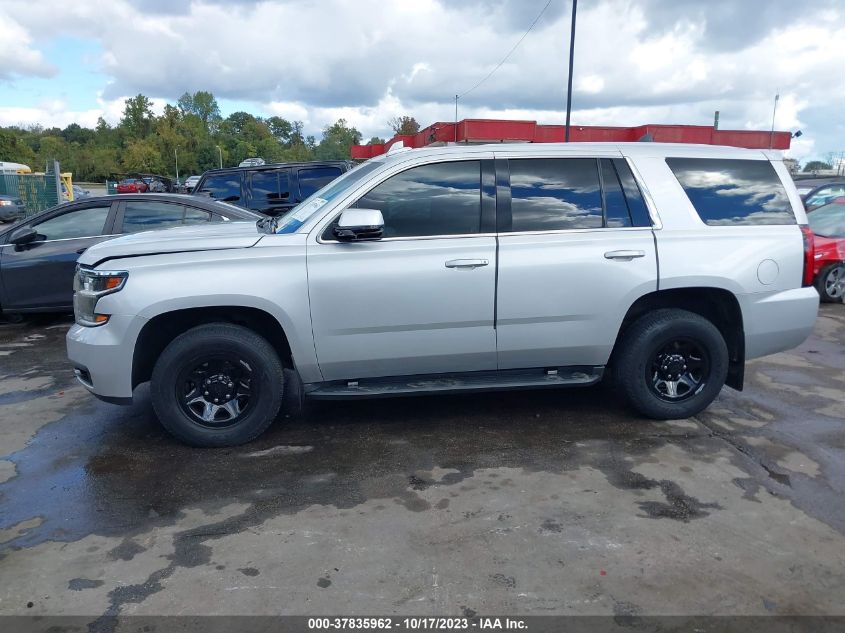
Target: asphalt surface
{"points": [[523, 503]]}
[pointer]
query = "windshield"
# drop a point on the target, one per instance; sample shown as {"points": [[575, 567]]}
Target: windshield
{"points": [[306, 209], [828, 221]]}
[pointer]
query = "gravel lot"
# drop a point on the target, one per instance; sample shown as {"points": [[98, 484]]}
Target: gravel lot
{"points": [[519, 503]]}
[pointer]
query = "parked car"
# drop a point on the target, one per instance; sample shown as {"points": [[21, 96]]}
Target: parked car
{"points": [[251, 162], [38, 256], [828, 225], [79, 192], [132, 185], [190, 183], [805, 184], [270, 189], [456, 269], [11, 208], [823, 194]]}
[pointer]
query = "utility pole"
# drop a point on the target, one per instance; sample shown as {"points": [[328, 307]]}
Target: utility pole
{"points": [[775, 109], [220, 154], [571, 60]]}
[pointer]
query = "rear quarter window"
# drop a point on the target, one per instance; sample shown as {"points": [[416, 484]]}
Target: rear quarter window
{"points": [[731, 192]]}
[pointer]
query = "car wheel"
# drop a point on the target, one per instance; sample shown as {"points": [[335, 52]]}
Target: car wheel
{"points": [[670, 364], [830, 283], [217, 385]]}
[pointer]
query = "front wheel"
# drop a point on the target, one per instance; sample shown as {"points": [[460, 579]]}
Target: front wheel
{"points": [[217, 385], [671, 364], [831, 283]]}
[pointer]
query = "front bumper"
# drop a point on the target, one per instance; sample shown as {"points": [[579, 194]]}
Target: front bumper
{"points": [[102, 356]]}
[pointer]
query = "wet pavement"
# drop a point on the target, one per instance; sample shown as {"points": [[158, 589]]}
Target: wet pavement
{"points": [[551, 502]]}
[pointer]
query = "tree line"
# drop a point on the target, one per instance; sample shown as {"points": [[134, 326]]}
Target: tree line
{"points": [[193, 129]]}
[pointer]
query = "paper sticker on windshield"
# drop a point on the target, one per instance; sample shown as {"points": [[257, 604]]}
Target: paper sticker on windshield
{"points": [[307, 210]]}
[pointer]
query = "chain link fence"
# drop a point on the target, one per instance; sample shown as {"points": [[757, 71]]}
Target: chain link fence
{"points": [[37, 191]]}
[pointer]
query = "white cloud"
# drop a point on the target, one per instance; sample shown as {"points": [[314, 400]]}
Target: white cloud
{"points": [[636, 61], [18, 58]]}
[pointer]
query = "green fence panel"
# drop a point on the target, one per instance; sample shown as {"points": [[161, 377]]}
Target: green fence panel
{"points": [[37, 191]]}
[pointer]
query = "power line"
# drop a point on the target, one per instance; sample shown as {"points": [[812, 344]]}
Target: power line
{"points": [[515, 46]]}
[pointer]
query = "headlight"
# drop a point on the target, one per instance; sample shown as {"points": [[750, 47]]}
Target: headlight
{"points": [[88, 287]]}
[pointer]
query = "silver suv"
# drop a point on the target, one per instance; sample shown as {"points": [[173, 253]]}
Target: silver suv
{"points": [[459, 269]]}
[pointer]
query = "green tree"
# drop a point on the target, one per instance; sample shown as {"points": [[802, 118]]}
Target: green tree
{"points": [[375, 140], [143, 156], [202, 104], [14, 150], [815, 165], [337, 141], [404, 125], [137, 116]]}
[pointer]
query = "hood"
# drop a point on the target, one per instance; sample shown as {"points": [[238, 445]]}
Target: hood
{"points": [[217, 236]]}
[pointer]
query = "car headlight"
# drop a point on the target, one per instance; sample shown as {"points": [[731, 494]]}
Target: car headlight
{"points": [[88, 287]]}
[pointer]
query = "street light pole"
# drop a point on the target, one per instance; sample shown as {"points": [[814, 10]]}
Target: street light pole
{"points": [[571, 60], [176, 153], [774, 110], [220, 154]]}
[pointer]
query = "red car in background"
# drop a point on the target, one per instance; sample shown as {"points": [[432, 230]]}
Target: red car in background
{"points": [[828, 226], [132, 185]]}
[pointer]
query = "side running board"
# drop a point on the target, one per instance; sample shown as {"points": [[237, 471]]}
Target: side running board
{"points": [[555, 377]]}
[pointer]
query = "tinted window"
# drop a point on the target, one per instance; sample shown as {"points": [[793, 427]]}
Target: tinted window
{"points": [[555, 193], [314, 178], [439, 199], [148, 216], [81, 223], [223, 187], [270, 186], [633, 196], [731, 192], [195, 216], [615, 206]]}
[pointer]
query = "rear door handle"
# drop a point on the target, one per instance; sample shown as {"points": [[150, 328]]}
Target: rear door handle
{"points": [[624, 255], [466, 263]]}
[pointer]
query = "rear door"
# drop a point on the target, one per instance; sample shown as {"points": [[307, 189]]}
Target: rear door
{"points": [[575, 251], [39, 275]]}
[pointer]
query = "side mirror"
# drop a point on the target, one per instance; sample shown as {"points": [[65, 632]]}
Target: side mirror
{"points": [[356, 225], [24, 235]]}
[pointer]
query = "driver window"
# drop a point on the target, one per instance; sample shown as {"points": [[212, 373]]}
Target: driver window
{"points": [[88, 222]]}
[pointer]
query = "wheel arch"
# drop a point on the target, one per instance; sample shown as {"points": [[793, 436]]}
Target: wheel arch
{"points": [[717, 305], [162, 328]]}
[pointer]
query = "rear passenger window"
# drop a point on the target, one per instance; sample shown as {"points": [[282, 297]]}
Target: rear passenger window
{"points": [[729, 192], [636, 204], [148, 216], [550, 194], [314, 178], [270, 186], [616, 208], [438, 199]]}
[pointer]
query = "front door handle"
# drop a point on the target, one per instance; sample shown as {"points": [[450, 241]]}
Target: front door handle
{"points": [[466, 263], [624, 256]]}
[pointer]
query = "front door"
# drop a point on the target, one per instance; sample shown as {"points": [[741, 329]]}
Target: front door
{"points": [[39, 275], [575, 251], [420, 300]]}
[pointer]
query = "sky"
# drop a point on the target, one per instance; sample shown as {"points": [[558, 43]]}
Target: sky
{"points": [[636, 61]]}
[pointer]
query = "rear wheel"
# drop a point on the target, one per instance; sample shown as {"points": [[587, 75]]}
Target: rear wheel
{"points": [[217, 385], [670, 364], [831, 283]]}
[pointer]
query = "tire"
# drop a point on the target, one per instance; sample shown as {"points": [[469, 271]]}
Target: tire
{"points": [[830, 282], [666, 341], [217, 359]]}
